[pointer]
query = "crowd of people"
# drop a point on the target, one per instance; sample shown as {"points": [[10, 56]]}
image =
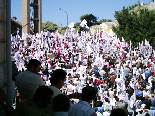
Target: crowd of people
{"points": [[97, 72]]}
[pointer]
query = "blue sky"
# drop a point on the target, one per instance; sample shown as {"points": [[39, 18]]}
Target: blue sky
{"points": [[75, 8]]}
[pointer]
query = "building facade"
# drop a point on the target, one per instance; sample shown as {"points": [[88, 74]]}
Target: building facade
{"points": [[31, 16]]}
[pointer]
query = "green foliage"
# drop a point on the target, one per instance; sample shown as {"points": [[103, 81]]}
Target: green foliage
{"points": [[104, 20], [91, 19], [49, 26], [77, 27], [133, 6], [136, 26], [62, 30]]}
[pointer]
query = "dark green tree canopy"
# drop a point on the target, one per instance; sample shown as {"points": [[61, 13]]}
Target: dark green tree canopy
{"points": [[136, 25], [91, 19]]}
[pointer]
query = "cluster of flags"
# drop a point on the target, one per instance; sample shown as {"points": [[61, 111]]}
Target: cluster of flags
{"points": [[82, 24]]}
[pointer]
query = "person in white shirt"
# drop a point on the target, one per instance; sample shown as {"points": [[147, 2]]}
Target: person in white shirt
{"points": [[83, 107], [106, 104], [106, 112], [102, 73], [69, 88], [28, 81]]}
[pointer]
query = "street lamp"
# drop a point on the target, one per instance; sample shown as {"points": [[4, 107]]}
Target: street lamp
{"points": [[66, 14]]}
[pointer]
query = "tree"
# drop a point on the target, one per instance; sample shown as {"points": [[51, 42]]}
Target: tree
{"points": [[62, 30], [136, 25], [104, 20], [77, 27], [91, 19], [49, 26]]}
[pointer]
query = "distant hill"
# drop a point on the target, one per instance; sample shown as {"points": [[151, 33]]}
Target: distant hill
{"points": [[109, 24], [150, 6]]}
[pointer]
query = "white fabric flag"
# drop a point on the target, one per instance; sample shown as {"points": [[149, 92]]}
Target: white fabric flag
{"points": [[83, 23], [123, 39], [147, 43], [71, 25], [130, 45]]}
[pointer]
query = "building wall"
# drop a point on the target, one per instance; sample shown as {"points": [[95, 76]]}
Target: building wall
{"points": [[5, 50], [26, 16], [15, 28], [3, 81], [40, 16]]}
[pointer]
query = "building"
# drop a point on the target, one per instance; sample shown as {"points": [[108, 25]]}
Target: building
{"points": [[16, 27]]}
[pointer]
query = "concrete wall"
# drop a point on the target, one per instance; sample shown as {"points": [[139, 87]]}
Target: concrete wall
{"points": [[40, 15], [3, 78], [26, 16], [5, 49]]}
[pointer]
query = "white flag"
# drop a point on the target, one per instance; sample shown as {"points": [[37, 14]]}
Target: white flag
{"points": [[147, 43], [130, 45], [123, 39], [71, 25], [83, 23]]}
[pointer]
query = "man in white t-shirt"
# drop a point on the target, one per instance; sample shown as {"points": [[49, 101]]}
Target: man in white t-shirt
{"points": [[28, 81]]}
